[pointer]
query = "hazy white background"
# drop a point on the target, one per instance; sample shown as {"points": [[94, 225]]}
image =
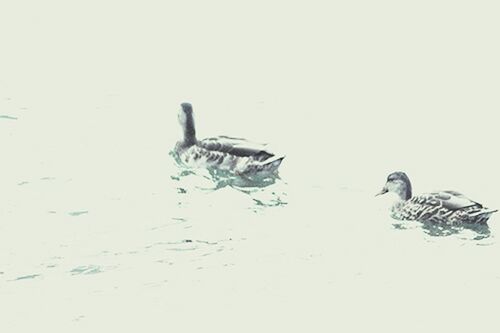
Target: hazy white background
{"points": [[349, 90]]}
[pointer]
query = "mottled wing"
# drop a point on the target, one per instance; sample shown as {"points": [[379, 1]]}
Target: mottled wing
{"points": [[454, 193], [453, 200], [237, 147]]}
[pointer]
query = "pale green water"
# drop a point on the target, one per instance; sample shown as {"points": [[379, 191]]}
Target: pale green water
{"points": [[101, 230], [148, 242]]}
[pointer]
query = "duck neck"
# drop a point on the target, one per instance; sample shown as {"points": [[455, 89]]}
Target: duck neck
{"points": [[404, 192], [189, 131]]}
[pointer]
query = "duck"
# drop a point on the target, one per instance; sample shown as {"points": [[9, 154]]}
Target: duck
{"points": [[441, 207], [235, 155]]}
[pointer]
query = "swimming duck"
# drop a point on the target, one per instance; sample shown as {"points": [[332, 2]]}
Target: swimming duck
{"points": [[235, 155], [448, 207]]}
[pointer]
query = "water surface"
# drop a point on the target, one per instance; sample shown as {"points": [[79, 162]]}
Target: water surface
{"points": [[101, 230]]}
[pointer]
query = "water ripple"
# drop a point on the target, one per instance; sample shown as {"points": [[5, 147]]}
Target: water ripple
{"points": [[27, 277], [78, 213], [463, 232], [3, 116], [86, 270], [264, 192]]}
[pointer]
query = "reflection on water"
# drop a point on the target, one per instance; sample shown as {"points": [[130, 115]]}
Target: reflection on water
{"points": [[466, 231], [176, 228], [265, 191], [472, 231]]}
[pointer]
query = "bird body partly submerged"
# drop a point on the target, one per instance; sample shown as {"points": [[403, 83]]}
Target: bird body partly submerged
{"points": [[445, 207], [235, 155], [229, 154]]}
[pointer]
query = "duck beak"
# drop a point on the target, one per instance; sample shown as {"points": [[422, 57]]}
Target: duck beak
{"points": [[384, 191]]}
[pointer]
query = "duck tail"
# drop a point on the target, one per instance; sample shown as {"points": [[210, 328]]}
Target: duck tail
{"points": [[485, 212], [273, 163], [268, 166]]}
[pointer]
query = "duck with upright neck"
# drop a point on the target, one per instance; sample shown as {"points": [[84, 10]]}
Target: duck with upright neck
{"points": [[238, 156], [445, 207]]}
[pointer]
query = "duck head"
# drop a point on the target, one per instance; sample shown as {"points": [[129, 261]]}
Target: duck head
{"points": [[187, 123], [399, 183]]}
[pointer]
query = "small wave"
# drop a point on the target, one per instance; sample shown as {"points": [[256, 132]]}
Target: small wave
{"points": [[221, 178], [27, 277], [477, 232], [474, 232], [264, 191], [86, 270], [4, 116], [182, 245], [78, 212]]}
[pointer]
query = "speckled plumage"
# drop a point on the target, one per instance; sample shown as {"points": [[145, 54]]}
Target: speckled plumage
{"points": [[235, 155], [445, 207]]}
